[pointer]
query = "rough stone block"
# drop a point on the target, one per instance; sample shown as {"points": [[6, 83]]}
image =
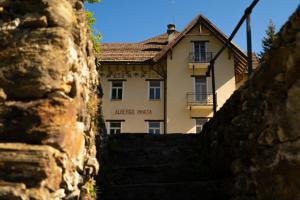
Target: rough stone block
{"points": [[51, 122], [32, 165], [36, 63]]}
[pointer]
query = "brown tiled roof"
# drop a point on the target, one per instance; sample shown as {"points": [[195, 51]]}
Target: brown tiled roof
{"points": [[133, 52]]}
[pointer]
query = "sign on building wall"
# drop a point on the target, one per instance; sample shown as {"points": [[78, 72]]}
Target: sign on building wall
{"points": [[132, 112]]}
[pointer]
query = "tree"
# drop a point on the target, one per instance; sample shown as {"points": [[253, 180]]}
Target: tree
{"points": [[268, 40], [96, 36]]}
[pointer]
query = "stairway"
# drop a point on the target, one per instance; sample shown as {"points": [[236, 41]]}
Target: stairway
{"points": [[162, 167]]}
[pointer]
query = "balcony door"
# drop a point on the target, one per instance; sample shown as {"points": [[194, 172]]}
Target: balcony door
{"points": [[200, 51], [200, 89]]}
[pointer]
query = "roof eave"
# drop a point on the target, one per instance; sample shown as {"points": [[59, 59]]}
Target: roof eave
{"points": [[127, 62]]}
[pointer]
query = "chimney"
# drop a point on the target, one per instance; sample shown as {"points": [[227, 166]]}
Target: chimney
{"points": [[171, 30]]}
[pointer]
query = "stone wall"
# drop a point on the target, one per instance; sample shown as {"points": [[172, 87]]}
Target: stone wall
{"points": [[48, 100], [257, 132]]}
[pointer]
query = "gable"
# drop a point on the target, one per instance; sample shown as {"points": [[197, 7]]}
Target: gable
{"points": [[239, 56]]}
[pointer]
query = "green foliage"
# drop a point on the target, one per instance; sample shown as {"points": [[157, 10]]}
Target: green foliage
{"points": [[90, 18], [96, 36], [268, 40], [92, 189]]}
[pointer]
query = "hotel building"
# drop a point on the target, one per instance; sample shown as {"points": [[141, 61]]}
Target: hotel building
{"points": [[160, 85]]}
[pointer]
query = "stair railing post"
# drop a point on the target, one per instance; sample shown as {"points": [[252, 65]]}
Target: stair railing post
{"points": [[249, 46], [213, 83]]}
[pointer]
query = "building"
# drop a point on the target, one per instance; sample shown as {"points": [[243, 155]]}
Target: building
{"points": [[160, 85]]}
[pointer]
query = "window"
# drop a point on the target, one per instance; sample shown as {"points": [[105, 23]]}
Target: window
{"points": [[200, 123], [201, 89], [154, 90], [200, 51], [116, 90], [114, 127], [154, 127]]}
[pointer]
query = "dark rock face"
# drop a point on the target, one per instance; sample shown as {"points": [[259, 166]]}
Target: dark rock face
{"points": [[48, 84]]}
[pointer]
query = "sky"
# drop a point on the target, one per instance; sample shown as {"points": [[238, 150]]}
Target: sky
{"points": [[137, 20]]}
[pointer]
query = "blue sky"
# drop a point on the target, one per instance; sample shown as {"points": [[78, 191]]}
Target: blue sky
{"points": [[137, 20]]}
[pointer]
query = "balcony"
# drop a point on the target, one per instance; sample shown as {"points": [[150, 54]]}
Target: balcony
{"points": [[199, 61], [199, 101]]}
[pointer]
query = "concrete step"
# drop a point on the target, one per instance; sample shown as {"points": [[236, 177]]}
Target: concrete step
{"points": [[145, 149], [140, 141], [164, 167], [155, 157], [169, 172], [201, 190]]}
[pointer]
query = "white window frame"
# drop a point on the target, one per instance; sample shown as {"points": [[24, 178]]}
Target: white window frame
{"points": [[114, 128], [206, 86], [155, 128], [155, 87], [205, 120], [194, 44], [205, 43], [111, 90]]}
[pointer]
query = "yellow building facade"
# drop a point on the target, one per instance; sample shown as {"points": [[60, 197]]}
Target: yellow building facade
{"points": [[160, 85]]}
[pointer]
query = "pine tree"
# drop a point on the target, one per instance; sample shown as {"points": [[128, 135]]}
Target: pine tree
{"points": [[268, 40]]}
